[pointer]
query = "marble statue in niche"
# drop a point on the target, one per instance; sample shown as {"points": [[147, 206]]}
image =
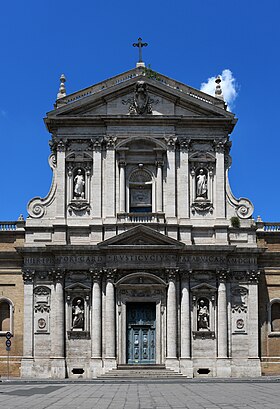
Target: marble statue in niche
{"points": [[79, 185], [203, 315], [201, 184], [78, 315]]}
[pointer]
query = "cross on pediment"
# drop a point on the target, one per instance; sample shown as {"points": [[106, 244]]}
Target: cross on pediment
{"points": [[140, 45]]}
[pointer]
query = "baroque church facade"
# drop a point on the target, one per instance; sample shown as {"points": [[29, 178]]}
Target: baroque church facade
{"points": [[140, 254]]}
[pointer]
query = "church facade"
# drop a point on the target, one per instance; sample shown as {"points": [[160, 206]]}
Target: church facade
{"points": [[140, 254]]}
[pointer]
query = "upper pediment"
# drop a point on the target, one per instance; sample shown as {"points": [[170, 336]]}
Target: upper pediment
{"points": [[141, 236], [117, 96]]}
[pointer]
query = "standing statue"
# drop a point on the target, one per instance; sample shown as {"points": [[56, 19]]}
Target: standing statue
{"points": [[201, 184], [79, 184], [78, 316], [202, 317]]}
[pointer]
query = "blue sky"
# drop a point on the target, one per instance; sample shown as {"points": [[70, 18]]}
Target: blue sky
{"points": [[88, 41]]}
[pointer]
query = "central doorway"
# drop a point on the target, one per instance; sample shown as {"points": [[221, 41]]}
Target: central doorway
{"points": [[141, 333]]}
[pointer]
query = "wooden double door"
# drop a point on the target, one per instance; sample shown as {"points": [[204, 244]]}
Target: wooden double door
{"points": [[141, 333]]}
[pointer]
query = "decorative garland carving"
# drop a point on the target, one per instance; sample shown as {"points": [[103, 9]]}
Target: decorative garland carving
{"points": [[202, 207]]}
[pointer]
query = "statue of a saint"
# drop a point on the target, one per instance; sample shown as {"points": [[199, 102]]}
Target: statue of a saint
{"points": [[78, 315], [201, 184], [202, 317], [79, 184]]}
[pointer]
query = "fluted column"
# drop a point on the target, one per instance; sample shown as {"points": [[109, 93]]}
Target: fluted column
{"points": [[122, 186], [159, 186], [96, 316], [222, 316], [110, 326], [185, 316], [58, 321], [171, 315]]}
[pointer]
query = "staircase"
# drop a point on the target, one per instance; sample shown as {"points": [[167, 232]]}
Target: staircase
{"points": [[125, 372]]}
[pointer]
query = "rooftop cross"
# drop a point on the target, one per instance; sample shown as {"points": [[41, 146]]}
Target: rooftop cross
{"points": [[140, 45]]}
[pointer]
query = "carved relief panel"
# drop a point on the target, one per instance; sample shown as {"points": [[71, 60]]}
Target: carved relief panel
{"points": [[42, 302], [239, 306]]}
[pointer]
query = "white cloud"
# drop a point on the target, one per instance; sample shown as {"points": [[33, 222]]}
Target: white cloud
{"points": [[228, 84]]}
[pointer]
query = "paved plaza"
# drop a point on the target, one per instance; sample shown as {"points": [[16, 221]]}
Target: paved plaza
{"points": [[190, 394]]}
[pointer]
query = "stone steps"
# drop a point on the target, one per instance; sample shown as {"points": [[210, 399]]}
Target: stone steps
{"points": [[140, 372]]}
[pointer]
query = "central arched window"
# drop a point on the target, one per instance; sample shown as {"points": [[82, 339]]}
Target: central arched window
{"points": [[140, 191]]}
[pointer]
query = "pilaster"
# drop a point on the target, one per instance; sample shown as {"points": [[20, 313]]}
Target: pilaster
{"points": [[58, 327], [170, 191]]}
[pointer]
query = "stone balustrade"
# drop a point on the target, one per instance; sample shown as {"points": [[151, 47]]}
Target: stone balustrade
{"points": [[270, 227], [141, 218], [11, 225]]}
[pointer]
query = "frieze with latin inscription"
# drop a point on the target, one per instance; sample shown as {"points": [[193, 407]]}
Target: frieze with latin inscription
{"points": [[140, 259]]}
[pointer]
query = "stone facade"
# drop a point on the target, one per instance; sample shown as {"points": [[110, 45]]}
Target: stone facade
{"points": [[268, 235], [140, 254], [11, 296]]}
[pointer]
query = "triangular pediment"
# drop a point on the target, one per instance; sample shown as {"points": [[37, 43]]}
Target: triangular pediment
{"points": [[114, 96], [141, 236]]}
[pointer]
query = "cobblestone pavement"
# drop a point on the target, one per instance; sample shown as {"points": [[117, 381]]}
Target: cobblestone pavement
{"points": [[142, 395]]}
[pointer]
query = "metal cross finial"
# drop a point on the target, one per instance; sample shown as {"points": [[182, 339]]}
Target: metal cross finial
{"points": [[140, 45]]}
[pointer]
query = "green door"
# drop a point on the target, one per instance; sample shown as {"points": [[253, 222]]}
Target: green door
{"points": [[141, 333]]}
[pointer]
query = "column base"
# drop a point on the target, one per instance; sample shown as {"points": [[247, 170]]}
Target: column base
{"points": [[96, 367], [186, 367], [27, 368], [108, 364], [58, 368], [223, 368], [172, 363]]}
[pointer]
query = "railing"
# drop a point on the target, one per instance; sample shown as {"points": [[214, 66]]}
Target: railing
{"points": [[135, 72], [268, 226], [141, 218], [11, 226]]}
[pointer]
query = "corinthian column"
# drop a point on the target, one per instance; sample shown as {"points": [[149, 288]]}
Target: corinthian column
{"points": [[96, 317], [222, 316], [159, 186], [110, 327], [58, 322], [171, 332], [185, 316], [122, 186]]}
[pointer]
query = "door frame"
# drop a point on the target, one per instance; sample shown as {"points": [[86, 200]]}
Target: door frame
{"points": [[133, 289]]}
